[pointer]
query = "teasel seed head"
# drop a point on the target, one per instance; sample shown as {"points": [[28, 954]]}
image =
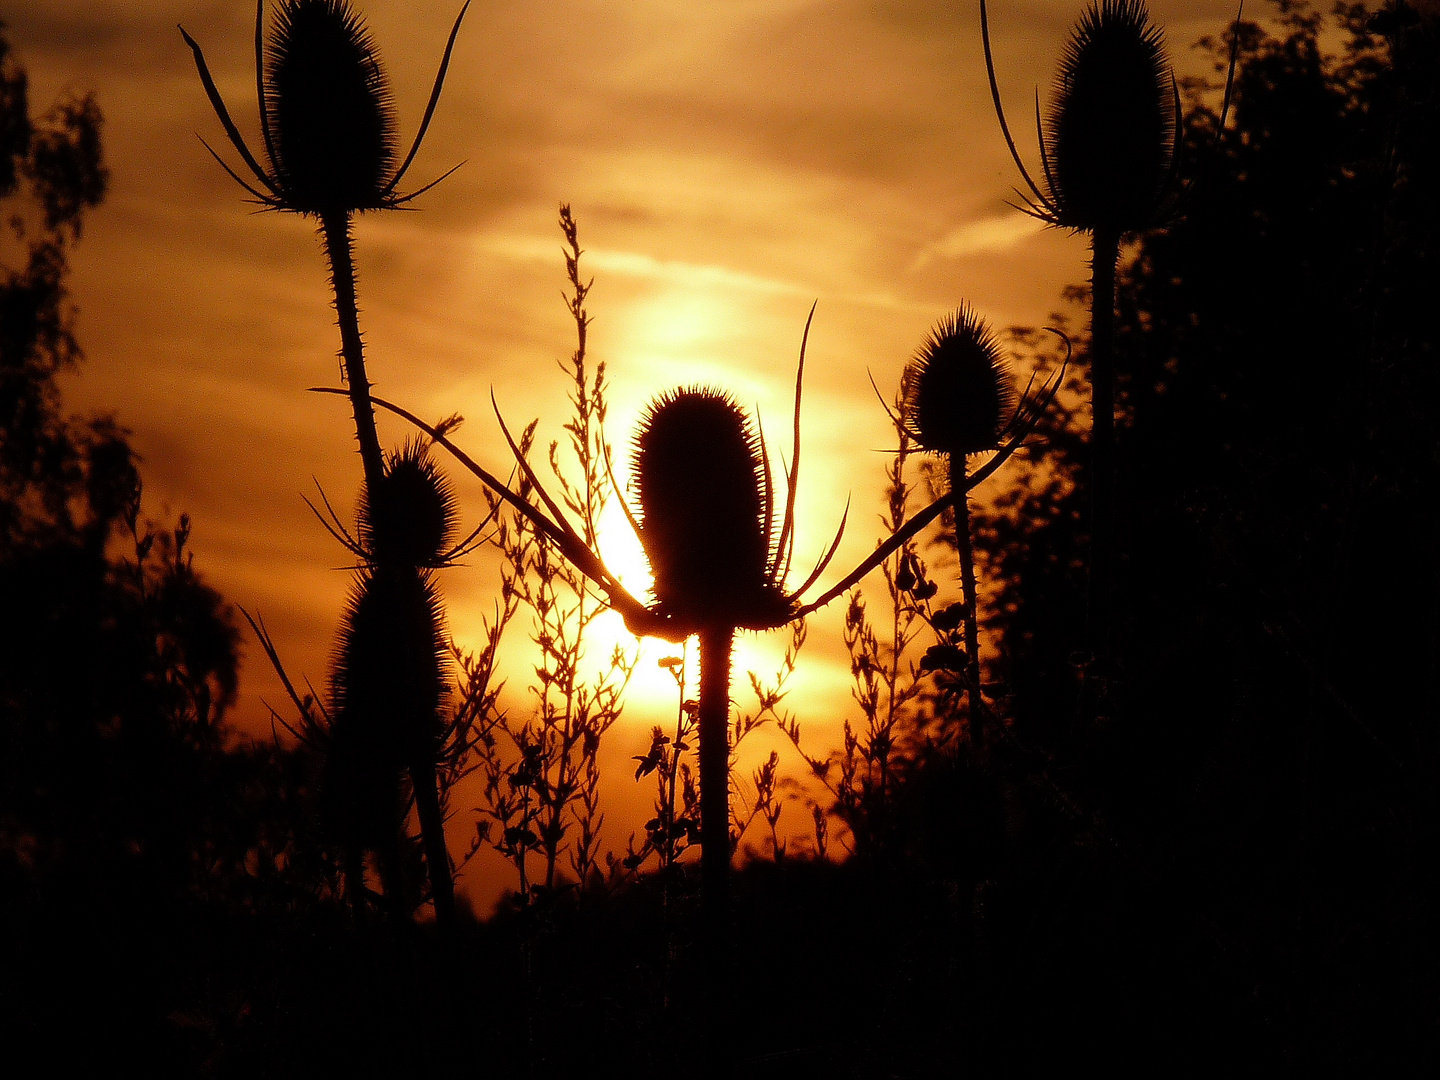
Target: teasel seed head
{"points": [[332, 129], [706, 515], [1110, 139], [959, 396], [410, 519], [390, 671]]}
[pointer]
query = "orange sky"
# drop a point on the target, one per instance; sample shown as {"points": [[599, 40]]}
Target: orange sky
{"points": [[729, 163]]}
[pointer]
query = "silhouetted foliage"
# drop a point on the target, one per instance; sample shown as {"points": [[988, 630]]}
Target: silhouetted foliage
{"points": [[148, 861], [1265, 777], [1232, 861]]}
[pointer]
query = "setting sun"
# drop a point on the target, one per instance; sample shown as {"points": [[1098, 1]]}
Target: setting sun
{"points": [[1043, 682]]}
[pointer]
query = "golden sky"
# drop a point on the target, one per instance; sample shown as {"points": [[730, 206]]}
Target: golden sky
{"points": [[729, 163]]}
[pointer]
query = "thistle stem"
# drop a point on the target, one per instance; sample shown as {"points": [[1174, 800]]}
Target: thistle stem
{"points": [[967, 582], [335, 228], [1105, 251], [437, 858], [715, 649]]}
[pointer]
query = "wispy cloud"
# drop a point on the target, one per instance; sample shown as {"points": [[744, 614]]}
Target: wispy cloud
{"points": [[988, 236]]}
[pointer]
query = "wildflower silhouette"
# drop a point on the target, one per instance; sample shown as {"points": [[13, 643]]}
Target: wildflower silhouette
{"points": [[707, 524], [391, 673], [329, 130], [1110, 154], [959, 399], [721, 551]]}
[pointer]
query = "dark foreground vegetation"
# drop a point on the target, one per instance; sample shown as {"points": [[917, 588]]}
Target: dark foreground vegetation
{"points": [[1211, 846]]}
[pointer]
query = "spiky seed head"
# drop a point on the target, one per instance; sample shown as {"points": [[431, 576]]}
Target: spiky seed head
{"points": [[390, 671], [1111, 133], [409, 519], [705, 513], [959, 394], [332, 120]]}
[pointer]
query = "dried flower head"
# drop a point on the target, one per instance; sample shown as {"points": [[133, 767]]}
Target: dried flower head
{"points": [[330, 121], [1113, 129], [326, 112], [387, 686], [1110, 147], [959, 397], [706, 511], [409, 520]]}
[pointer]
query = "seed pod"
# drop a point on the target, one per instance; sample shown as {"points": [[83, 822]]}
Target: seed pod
{"points": [[388, 679], [331, 121], [1111, 136], [705, 509], [409, 519], [959, 395]]}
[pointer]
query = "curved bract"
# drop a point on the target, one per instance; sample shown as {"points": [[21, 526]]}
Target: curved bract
{"points": [[326, 113], [706, 517]]}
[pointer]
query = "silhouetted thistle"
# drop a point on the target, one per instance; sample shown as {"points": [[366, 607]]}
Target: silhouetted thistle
{"points": [[386, 692], [391, 667], [706, 519], [410, 518], [959, 395], [329, 131], [959, 399], [326, 113], [1110, 151], [1113, 137]]}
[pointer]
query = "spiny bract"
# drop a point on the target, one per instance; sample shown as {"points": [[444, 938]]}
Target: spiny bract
{"points": [[959, 396]]}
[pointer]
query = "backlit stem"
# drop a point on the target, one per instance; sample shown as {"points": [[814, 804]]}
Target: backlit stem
{"points": [[715, 649], [1105, 251], [335, 227], [967, 582]]}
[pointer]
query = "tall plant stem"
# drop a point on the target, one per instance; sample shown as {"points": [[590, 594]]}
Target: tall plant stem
{"points": [[335, 227], [1104, 253], [715, 649], [967, 582], [437, 858]]}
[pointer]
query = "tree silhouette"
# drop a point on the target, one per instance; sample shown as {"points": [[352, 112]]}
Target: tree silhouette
{"points": [[130, 824]]}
